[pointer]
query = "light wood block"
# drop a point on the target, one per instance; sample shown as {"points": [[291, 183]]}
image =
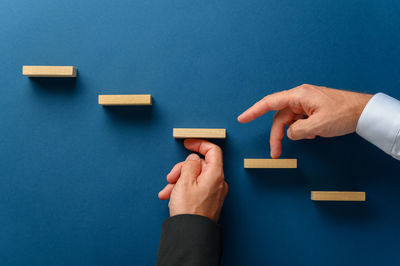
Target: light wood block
{"points": [[132, 99], [49, 71], [203, 133], [270, 163], [337, 196]]}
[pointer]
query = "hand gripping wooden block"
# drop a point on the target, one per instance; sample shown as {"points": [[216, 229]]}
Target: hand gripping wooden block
{"points": [[337, 196], [203, 133], [118, 100], [270, 163], [49, 71]]}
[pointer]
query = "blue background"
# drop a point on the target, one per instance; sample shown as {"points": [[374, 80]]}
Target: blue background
{"points": [[79, 182]]}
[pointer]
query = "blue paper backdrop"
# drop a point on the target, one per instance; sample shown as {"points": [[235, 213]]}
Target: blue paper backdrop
{"points": [[79, 182]]}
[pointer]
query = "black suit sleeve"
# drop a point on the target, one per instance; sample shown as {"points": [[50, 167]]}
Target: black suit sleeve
{"points": [[190, 240]]}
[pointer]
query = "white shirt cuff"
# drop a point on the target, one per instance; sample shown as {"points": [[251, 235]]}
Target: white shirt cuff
{"points": [[379, 123]]}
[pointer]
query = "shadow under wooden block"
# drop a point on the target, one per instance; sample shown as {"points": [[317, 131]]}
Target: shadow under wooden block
{"points": [[338, 196], [270, 163], [201, 133], [129, 114], [49, 71]]}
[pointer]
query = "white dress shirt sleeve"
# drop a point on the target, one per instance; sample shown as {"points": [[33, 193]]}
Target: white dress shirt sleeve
{"points": [[379, 123]]}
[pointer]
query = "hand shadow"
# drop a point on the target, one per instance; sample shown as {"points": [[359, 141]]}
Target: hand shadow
{"points": [[343, 162]]}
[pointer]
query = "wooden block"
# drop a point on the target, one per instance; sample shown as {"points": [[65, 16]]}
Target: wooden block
{"points": [[337, 196], [133, 99], [49, 71], [270, 163], [203, 133]]}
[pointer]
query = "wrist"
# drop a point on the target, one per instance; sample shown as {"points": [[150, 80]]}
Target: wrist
{"points": [[213, 218], [360, 102]]}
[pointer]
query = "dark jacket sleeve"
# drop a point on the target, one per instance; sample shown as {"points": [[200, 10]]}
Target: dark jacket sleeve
{"points": [[190, 240]]}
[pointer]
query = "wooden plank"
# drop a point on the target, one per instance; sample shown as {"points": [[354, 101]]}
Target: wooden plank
{"points": [[132, 99], [49, 71], [270, 163], [204, 133], [337, 196]]}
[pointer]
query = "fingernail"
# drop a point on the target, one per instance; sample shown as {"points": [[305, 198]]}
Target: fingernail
{"points": [[274, 152], [192, 157]]}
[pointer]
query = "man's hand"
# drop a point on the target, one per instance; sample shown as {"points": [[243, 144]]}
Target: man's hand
{"points": [[197, 186], [309, 111]]}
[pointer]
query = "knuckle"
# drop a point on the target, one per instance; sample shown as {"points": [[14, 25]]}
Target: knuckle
{"points": [[220, 178], [279, 92], [303, 88], [189, 165], [217, 148], [221, 186], [306, 86]]}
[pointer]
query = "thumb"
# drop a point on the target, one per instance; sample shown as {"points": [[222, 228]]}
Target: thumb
{"points": [[304, 128], [191, 168]]}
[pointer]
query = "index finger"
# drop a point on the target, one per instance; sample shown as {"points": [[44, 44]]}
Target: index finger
{"points": [[272, 102], [212, 153]]}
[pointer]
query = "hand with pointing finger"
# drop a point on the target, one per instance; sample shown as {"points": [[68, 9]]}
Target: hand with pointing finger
{"points": [[308, 111], [197, 186]]}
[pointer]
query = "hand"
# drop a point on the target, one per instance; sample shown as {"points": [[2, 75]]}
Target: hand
{"points": [[197, 186], [309, 111]]}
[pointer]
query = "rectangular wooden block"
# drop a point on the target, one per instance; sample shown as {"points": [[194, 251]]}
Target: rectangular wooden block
{"points": [[270, 163], [337, 196], [211, 133], [49, 71], [132, 99]]}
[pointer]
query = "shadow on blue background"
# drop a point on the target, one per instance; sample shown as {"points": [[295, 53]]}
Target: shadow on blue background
{"points": [[347, 212], [130, 114], [57, 86]]}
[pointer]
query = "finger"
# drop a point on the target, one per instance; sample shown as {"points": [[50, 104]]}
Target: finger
{"points": [[304, 128], [276, 102], [203, 167], [281, 118], [175, 173], [165, 193], [212, 153], [203, 163], [191, 169], [226, 188]]}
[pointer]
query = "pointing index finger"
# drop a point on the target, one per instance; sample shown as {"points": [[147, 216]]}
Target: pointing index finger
{"points": [[272, 102]]}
